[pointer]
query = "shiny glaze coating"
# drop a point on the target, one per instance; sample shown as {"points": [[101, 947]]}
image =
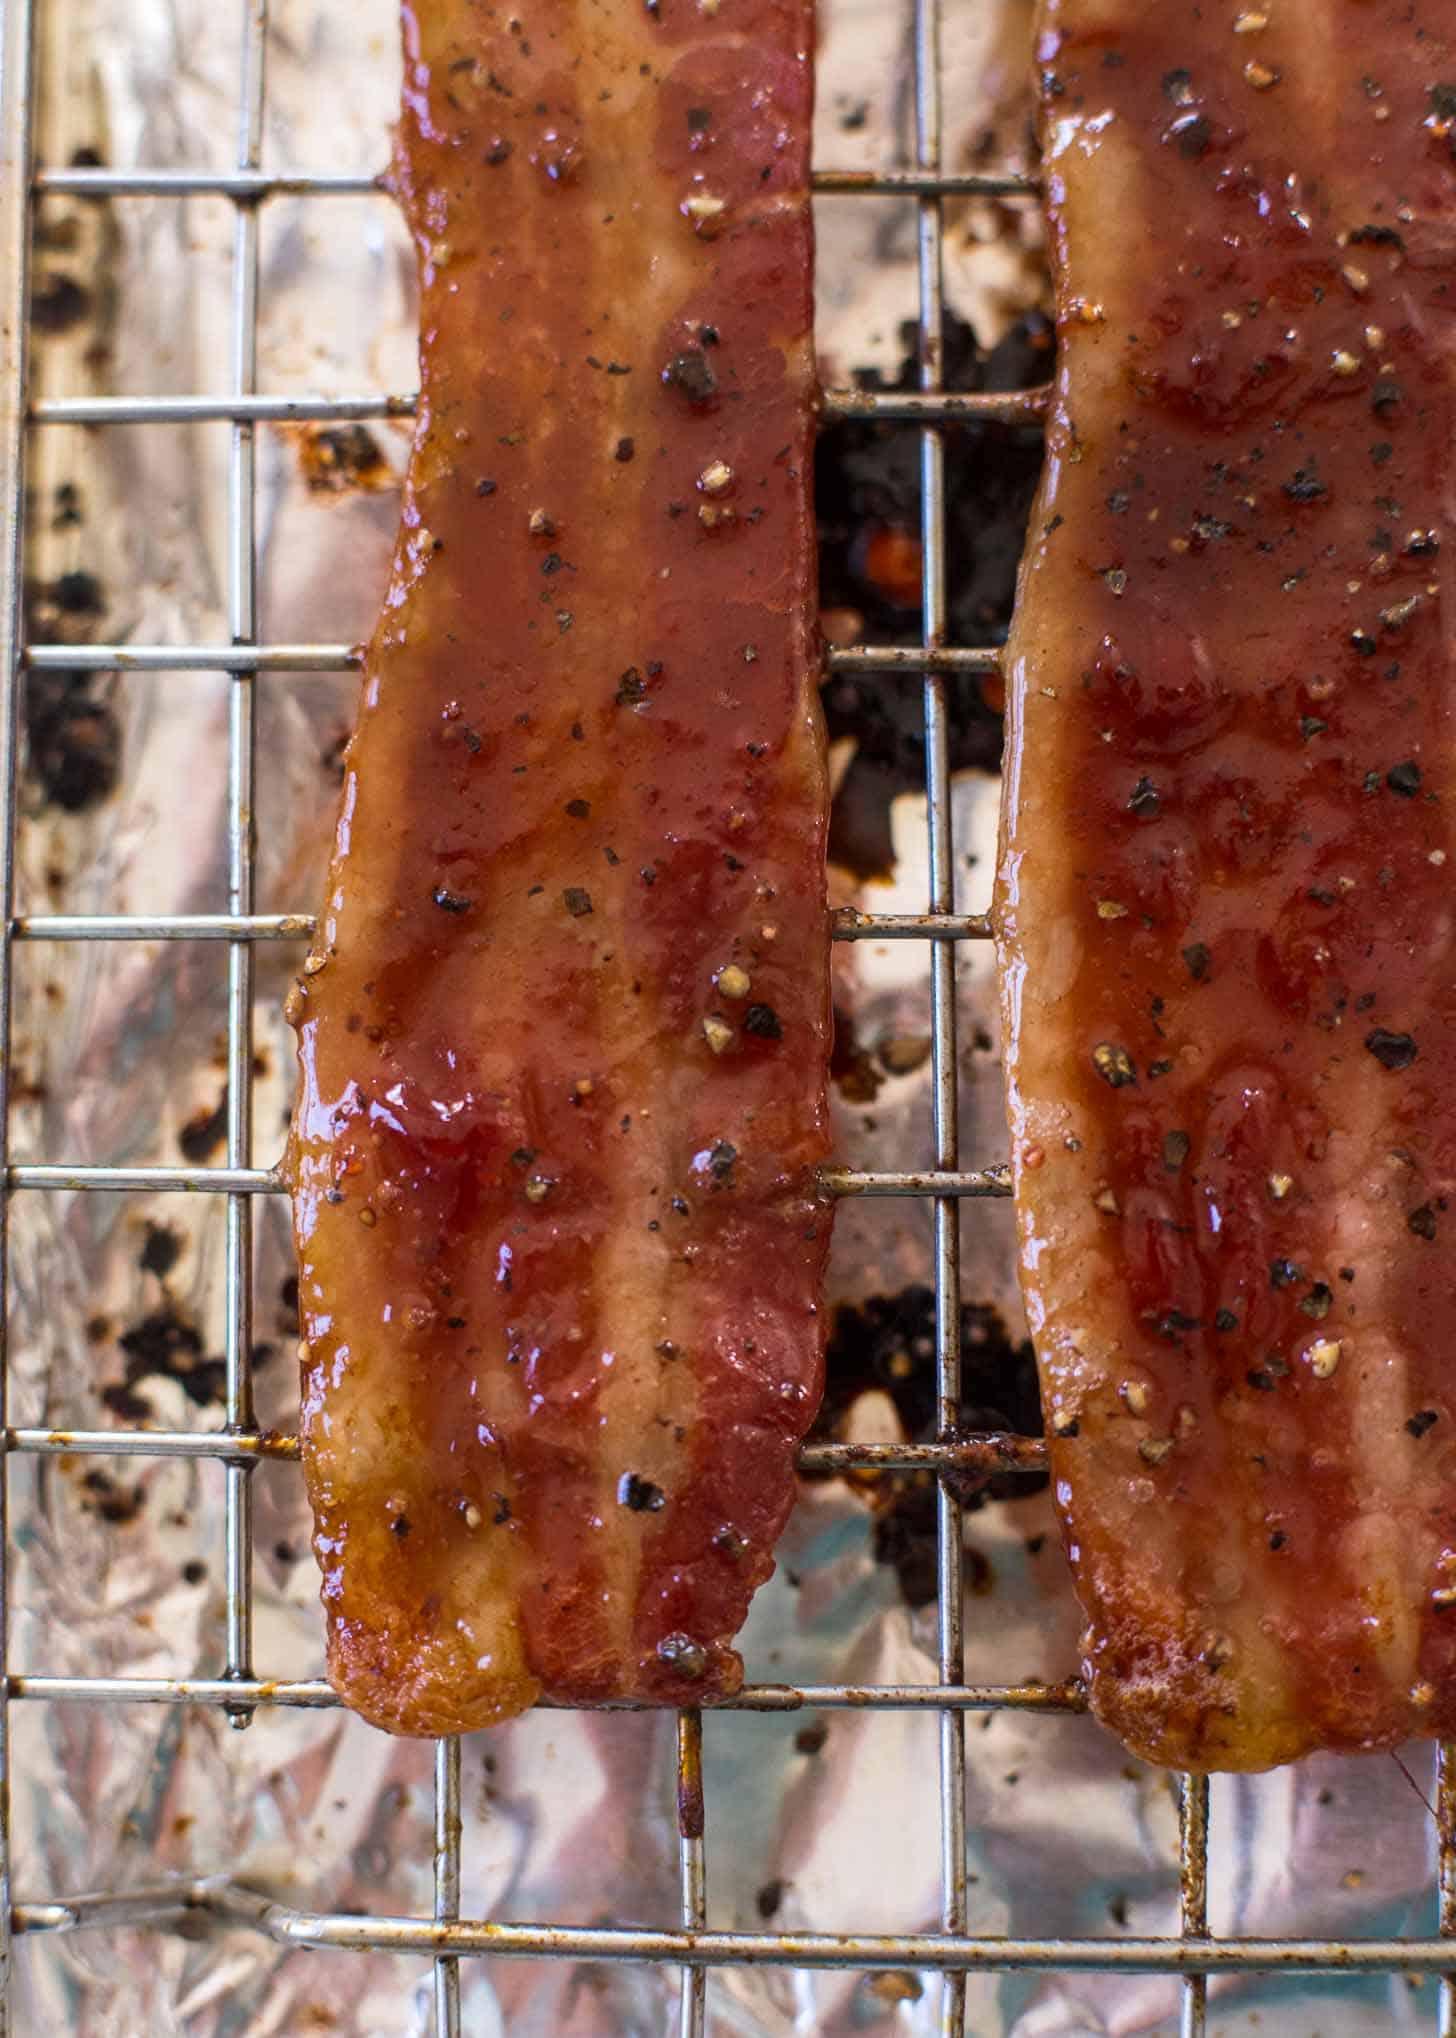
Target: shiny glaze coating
{"points": [[564, 1038], [1225, 896]]}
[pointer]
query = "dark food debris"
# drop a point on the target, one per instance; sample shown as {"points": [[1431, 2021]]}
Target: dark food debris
{"points": [[107, 1497], [639, 1494], [77, 594], [58, 303], [691, 374], [888, 1345], [204, 1132], [73, 739], [161, 1250], [681, 1653], [867, 488], [165, 1345], [1391, 1050], [338, 458], [852, 1067]]}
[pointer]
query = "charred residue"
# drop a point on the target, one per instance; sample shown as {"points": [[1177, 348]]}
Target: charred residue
{"points": [[204, 1132], [166, 1344], [161, 1250], [72, 733], [852, 1068], [887, 1345], [109, 1498], [73, 739], [338, 459], [867, 483]]}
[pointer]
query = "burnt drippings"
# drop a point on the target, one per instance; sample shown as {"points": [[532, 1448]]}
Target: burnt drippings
{"points": [[59, 303], [339, 459], [72, 732], [161, 1250], [109, 1499], [867, 483], [887, 1344], [165, 1344], [204, 1132], [852, 1067], [73, 739]]}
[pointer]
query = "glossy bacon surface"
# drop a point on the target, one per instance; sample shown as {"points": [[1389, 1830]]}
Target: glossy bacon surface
{"points": [[1225, 906], [564, 1038]]}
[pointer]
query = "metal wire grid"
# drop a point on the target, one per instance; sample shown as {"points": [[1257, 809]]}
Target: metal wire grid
{"points": [[1193, 1954]]}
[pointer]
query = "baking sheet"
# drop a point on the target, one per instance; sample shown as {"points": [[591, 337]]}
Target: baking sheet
{"points": [[821, 1823]]}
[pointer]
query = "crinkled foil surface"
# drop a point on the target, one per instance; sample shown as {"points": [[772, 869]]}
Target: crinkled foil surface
{"points": [[827, 1822]]}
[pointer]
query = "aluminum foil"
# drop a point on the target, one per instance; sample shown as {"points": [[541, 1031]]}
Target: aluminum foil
{"points": [[817, 1823]]}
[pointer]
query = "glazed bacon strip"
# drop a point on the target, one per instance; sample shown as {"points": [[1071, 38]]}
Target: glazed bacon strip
{"points": [[1225, 909], [564, 1038]]}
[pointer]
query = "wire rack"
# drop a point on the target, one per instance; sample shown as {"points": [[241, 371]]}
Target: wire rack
{"points": [[446, 1937]]}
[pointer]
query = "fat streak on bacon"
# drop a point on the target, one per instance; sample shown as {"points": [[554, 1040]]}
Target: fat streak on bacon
{"points": [[1225, 903], [564, 1035]]}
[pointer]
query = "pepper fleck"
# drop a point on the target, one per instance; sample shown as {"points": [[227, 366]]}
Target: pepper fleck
{"points": [[631, 688], [691, 373], [1392, 1050], [763, 1021], [577, 901], [639, 1494], [1114, 1064], [681, 1653], [1304, 485]]}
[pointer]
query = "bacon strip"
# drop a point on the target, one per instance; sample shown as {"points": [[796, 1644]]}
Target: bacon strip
{"points": [[1225, 908], [564, 1039]]}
